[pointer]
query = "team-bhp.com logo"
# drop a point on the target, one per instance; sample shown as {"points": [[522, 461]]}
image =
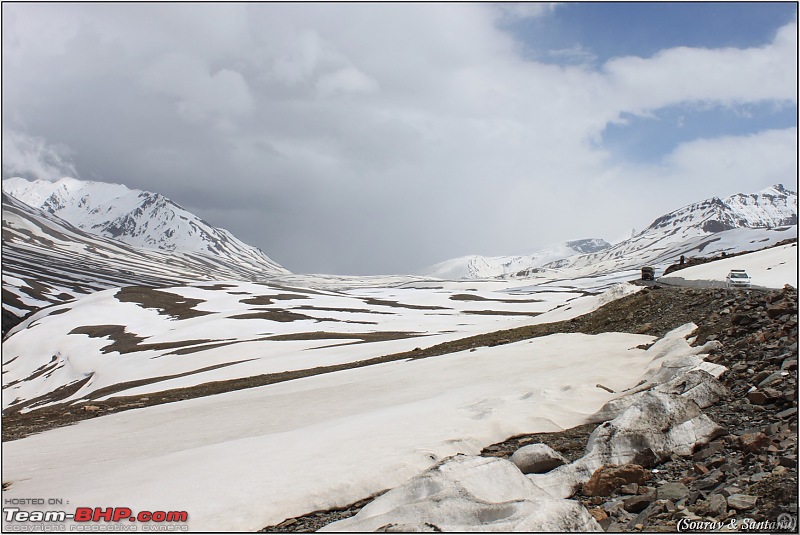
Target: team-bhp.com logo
{"points": [[94, 519]]}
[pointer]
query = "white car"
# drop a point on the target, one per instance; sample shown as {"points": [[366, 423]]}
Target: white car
{"points": [[737, 278]]}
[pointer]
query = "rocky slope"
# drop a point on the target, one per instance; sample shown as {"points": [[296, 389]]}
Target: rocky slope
{"points": [[745, 476], [741, 222]]}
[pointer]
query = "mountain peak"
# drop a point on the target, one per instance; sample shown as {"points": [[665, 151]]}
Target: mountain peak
{"points": [[729, 223], [769, 208], [139, 218]]}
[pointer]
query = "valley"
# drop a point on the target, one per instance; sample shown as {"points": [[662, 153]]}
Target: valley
{"points": [[126, 368]]}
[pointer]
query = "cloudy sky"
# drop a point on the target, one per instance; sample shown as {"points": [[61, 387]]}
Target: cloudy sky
{"points": [[382, 138]]}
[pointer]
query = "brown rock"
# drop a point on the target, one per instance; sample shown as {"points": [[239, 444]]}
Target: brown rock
{"points": [[637, 504], [610, 477], [630, 488], [700, 469], [757, 397], [754, 442], [708, 451], [598, 514], [777, 311]]}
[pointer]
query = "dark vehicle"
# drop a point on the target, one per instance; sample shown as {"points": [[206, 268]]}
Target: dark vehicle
{"points": [[648, 273]]}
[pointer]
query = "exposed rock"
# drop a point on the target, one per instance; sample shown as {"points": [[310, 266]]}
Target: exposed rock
{"points": [[709, 450], [661, 423], [537, 458], [757, 397], [637, 504], [598, 514], [608, 478], [753, 442], [717, 505], [672, 491], [777, 311], [742, 502]]}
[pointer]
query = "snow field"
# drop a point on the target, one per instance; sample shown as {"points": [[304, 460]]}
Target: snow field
{"points": [[428, 315], [247, 459], [770, 268]]}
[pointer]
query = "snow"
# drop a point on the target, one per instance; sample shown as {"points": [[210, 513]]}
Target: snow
{"points": [[770, 268], [429, 315], [470, 494], [476, 266], [139, 218], [753, 221], [250, 458], [587, 304]]}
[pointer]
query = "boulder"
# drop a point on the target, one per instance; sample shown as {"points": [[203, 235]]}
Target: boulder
{"points": [[537, 458], [656, 424], [637, 504], [754, 442], [673, 491], [609, 478], [717, 505], [741, 502]]}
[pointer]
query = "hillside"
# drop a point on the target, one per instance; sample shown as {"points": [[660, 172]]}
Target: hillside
{"points": [[479, 267], [47, 260], [139, 218], [741, 222]]}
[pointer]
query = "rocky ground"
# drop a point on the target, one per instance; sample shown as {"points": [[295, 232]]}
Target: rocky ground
{"points": [[745, 480]]}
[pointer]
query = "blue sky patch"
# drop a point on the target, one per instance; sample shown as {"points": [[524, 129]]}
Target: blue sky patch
{"points": [[596, 32], [650, 138]]}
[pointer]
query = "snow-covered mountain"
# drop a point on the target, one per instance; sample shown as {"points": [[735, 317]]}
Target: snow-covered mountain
{"points": [[139, 218], [480, 267], [741, 222], [46, 261], [770, 208]]}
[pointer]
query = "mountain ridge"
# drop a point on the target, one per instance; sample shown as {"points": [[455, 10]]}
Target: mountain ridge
{"points": [[47, 261], [710, 226], [139, 218]]}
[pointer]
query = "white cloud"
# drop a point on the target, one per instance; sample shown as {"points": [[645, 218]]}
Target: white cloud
{"points": [[298, 58], [423, 119], [728, 76], [767, 157], [34, 158], [345, 81], [199, 93], [524, 10]]}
